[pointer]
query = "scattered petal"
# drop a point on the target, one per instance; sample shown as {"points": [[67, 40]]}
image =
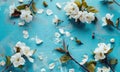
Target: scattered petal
{"points": [[72, 70], [43, 70], [57, 35], [40, 11], [51, 66], [49, 12], [58, 5]]}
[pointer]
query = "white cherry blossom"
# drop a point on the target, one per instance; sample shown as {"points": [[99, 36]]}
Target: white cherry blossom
{"points": [[17, 60], [26, 15]]}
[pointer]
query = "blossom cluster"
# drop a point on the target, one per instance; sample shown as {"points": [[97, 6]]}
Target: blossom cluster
{"points": [[73, 11], [101, 51], [22, 50], [24, 14]]}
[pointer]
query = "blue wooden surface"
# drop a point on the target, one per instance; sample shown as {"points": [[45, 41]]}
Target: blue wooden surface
{"points": [[43, 27]]}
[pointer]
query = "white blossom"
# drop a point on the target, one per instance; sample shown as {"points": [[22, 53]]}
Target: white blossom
{"points": [[28, 53], [89, 17], [26, 15], [24, 50], [17, 60], [103, 69], [108, 17], [71, 9], [82, 17], [101, 50], [99, 56]]}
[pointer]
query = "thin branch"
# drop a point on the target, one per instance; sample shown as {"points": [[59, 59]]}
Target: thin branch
{"points": [[116, 2], [30, 3], [106, 60], [7, 67], [86, 70]]}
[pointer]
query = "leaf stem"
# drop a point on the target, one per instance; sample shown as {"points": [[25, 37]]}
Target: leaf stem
{"points": [[77, 62], [106, 60]]}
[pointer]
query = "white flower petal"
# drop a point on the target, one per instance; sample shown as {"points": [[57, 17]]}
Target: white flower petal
{"points": [[49, 12], [51, 66]]}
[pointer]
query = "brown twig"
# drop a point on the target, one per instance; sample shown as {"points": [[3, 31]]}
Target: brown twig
{"points": [[86, 70]]}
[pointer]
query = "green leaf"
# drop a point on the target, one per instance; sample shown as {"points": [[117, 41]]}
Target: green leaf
{"points": [[65, 58], [78, 3], [113, 61], [21, 7], [45, 4], [91, 66], [60, 50], [34, 7], [8, 62], [84, 5], [91, 9]]}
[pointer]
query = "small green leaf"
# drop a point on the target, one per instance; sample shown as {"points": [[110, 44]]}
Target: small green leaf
{"points": [[113, 61], [91, 9], [8, 62], [45, 4], [34, 7], [60, 50], [84, 5], [21, 7], [77, 2], [110, 51], [91, 66], [65, 58]]}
